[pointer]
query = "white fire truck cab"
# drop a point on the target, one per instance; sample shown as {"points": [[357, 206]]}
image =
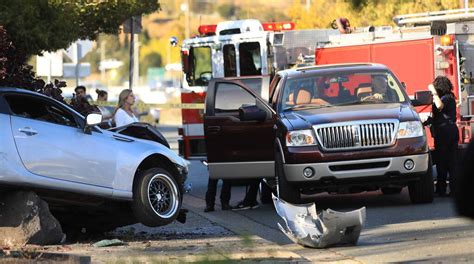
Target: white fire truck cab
{"points": [[237, 49]]}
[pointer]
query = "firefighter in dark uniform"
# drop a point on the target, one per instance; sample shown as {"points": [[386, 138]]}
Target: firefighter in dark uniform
{"points": [[445, 132]]}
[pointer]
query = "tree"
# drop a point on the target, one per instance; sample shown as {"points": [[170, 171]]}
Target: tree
{"points": [[152, 60], [35, 26], [362, 13], [227, 10]]}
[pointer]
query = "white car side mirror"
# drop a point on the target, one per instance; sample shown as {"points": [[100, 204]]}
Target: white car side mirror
{"points": [[93, 119]]}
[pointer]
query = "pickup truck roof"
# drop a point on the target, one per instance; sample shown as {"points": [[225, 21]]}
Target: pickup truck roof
{"points": [[330, 68]]}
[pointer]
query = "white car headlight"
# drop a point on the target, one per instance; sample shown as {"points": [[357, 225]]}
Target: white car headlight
{"points": [[300, 138], [410, 129]]}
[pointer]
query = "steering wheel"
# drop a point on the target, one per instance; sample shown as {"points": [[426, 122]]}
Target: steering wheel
{"points": [[372, 98], [205, 77]]}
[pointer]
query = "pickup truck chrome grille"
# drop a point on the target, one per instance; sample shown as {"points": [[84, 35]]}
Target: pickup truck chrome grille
{"points": [[356, 135]]}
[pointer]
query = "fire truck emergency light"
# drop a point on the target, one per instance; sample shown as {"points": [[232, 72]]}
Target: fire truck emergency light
{"points": [[207, 29], [278, 26], [447, 40]]}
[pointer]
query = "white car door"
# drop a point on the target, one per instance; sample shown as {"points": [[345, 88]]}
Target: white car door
{"points": [[51, 142]]}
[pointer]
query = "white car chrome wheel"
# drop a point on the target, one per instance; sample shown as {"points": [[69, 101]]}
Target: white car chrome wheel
{"points": [[163, 195]]}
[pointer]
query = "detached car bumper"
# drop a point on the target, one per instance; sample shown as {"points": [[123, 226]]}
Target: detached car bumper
{"points": [[340, 170]]}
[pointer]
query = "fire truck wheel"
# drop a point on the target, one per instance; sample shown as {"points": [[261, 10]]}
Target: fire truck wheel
{"points": [[391, 190], [157, 198], [422, 191], [286, 191]]}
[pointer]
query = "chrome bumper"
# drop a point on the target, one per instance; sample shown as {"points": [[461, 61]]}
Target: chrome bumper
{"points": [[349, 169], [328, 228]]}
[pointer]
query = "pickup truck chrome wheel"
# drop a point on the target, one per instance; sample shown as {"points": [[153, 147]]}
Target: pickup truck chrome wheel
{"points": [[157, 197], [163, 195]]}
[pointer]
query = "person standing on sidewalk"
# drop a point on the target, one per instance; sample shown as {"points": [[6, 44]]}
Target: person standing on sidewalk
{"points": [[211, 195], [250, 199]]}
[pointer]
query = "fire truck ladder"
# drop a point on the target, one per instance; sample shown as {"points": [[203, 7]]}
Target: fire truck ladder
{"points": [[454, 15]]}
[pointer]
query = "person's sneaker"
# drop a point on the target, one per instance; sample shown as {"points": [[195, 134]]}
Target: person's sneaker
{"points": [[244, 206], [226, 207], [209, 209]]}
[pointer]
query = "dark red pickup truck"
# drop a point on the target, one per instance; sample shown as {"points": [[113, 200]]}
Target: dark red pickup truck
{"points": [[335, 128]]}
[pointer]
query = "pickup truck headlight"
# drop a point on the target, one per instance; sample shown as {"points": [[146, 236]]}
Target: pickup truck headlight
{"points": [[410, 129], [300, 138]]}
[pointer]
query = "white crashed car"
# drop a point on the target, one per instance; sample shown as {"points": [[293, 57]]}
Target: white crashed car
{"points": [[68, 160]]}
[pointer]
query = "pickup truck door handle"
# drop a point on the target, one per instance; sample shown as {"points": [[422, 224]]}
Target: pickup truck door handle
{"points": [[28, 131], [213, 129]]}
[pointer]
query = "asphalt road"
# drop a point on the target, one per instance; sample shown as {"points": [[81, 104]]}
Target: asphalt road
{"points": [[395, 230]]}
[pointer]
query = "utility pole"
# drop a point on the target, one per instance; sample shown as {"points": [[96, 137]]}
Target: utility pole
{"points": [[78, 61], [464, 4], [185, 9], [188, 17], [102, 59], [136, 62], [132, 53]]}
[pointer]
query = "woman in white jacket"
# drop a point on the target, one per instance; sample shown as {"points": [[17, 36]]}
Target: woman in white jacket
{"points": [[124, 113]]}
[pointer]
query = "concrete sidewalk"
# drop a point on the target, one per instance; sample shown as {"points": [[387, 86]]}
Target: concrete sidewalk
{"points": [[203, 238]]}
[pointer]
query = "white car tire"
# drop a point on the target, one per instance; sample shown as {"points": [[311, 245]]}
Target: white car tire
{"points": [[157, 198]]}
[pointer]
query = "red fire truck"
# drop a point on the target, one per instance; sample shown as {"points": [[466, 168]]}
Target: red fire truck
{"points": [[424, 46], [234, 49]]}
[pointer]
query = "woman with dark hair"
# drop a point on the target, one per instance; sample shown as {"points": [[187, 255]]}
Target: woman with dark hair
{"points": [[445, 132], [101, 95]]}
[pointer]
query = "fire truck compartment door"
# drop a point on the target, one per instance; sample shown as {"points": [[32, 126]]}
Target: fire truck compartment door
{"points": [[237, 149]]}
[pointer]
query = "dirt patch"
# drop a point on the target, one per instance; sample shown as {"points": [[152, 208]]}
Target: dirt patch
{"points": [[199, 240]]}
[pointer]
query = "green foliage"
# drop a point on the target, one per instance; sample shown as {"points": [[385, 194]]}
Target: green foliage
{"points": [[357, 3], [152, 60], [13, 73], [227, 10], [363, 12], [47, 25]]}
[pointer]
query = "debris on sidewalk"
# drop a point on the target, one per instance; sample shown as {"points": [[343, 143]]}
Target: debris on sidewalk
{"points": [[305, 227], [109, 243]]}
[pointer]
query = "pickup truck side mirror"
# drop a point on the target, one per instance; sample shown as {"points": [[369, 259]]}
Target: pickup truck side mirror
{"points": [[251, 113], [422, 98]]}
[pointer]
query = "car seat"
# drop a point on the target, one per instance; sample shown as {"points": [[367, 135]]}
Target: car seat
{"points": [[303, 96], [363, 89]]}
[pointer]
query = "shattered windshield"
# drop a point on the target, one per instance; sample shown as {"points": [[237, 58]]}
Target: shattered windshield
{"points": [[339, 89]]}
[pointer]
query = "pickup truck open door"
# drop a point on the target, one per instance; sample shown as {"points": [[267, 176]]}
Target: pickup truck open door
{"points": [[239, 129]]}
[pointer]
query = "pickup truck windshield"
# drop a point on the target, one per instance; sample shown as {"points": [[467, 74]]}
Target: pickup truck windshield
{"points": [[341, 89]]}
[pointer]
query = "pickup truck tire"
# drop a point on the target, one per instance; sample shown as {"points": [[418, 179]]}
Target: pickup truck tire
{"points": [[287, 191], [391, 190], [156, 197], [422, 191]]}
